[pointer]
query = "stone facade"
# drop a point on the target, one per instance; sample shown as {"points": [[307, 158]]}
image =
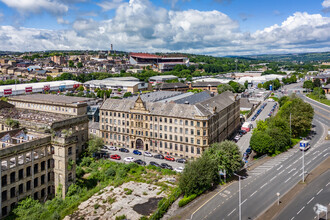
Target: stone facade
{"points": [[168, 128]]}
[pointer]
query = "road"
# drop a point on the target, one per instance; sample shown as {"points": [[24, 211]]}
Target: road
{"points": [[318, 191], [174, 164], [259, 189]]}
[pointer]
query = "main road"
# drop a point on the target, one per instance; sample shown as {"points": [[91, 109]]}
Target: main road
{"points": [[260, 187]]}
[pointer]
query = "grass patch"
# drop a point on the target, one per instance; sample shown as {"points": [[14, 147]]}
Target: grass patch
{"points": [[324, 101], [245, 112], [274, 98]]}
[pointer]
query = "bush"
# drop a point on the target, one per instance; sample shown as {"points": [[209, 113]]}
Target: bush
{"points": [[121, 217], [110, 172], [186, 200]]}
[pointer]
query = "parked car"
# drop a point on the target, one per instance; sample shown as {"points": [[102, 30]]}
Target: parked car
{"points": [[152, 163], [248, 150], [159, 156], [104, 147], [128, 159], [166, 166], [137, 152], [179, 169], [181, 160], [115, 157], [147, 154], [236, 138], [242, 132], [124, 150], [140, 162], [112, 148], [167, 157]]}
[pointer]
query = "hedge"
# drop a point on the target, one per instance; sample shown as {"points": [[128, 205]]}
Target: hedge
{"points": [[186, 200]]}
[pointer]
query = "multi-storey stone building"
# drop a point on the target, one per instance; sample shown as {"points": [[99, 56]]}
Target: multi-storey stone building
{"points": [[183, 130], [38, 157]]}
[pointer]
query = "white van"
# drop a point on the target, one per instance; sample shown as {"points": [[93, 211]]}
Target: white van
{"points": [[304, 145]]}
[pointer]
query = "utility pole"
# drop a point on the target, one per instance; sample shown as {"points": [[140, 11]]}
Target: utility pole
{"points": [[303, 163], [290, 128]]}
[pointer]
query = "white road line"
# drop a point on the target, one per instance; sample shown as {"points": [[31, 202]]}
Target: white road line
{"points": [[279, 167], [295, 173], [319, 192], [289, 166], [265, 185], [310, 200], [287, 180], [231, 212], [300, 210], [325, 154], [292, 218], [272, 178], [327, 184], [280, 172], [243, 201], [308, 162], [253, 193], [292, 170], [314, 158]]}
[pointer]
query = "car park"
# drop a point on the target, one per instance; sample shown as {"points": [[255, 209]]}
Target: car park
{"points": [[124, 150], [179, 169], [167, 157], [166, 166], [147, 154], [152, 163], [115, 157], [128, 159], [181, 160], [140, 162], [159, 156], [137, 152], [112, 148]]}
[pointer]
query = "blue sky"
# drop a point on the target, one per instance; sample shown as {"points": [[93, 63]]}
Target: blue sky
{"points": [[216, 27]]}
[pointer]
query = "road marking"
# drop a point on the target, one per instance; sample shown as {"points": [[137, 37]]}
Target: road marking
{"points": [[315, 152], [325, 154], [319, 192], [287, 180], [280, 172], [308, 163], [272, 178], [314, 158], [327, 184], [243, 201], [292, 218], [292, 170], [231, 212], [263, 186], [279, 167], [289, 166], [310, 200], [253, 193], [295, 173], [300, 210]]}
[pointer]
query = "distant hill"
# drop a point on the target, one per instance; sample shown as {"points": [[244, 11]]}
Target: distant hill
{"points": [[298, 57]]}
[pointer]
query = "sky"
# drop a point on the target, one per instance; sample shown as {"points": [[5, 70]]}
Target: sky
{"points": [[210, 27]]}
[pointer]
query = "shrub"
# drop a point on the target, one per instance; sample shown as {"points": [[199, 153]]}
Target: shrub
{"points": [[186, 200], [110, 172], [121, 217], [96, 206]]}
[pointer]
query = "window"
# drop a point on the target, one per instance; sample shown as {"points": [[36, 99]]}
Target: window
{"points": [[186, 122], [43, 165], [170, 128], [198, 150], [192, 149], [69, 153], [187, 148], [191, 123], [198, 141], [35, 195], [42, 193], [186, 131], [204, 142], [42, 178], [4, 211], [170, 120], [28, 185], [165, 120], [176, 147], [198, 132], [4, 196], [181, 147], [192, 131], [12, 192], [204, 123], [12, 177], [4, 180], [20, 189], [198, 124], [20, 174], [204, 132], [186, 139], [192, 140], [35, 182]]}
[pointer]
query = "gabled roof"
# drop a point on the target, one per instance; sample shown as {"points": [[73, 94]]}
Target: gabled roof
{"points": [[144, 55]]}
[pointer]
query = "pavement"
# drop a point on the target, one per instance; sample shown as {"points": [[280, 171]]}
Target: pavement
{"points": [[260, 186], [174, 164]]}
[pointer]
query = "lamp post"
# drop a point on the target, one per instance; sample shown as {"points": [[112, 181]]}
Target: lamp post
{"points": [[239, 197], [303, 165], [278, 198]]}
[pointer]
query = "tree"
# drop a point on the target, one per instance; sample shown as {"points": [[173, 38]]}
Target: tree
{"points": [[127, 94], [224, 87], [94, 145], [80, 88], [317, 83], [227, 156], [246, 84], [119, 90], [308, 84], [199, 175], [29, 209], [79, 65], [71, 63], [12, 123], [261, 142]]}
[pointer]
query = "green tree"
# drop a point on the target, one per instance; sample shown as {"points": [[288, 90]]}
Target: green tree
{"points": [[127, 94], [29, 209], [308, 84], [260, 86], [80, 88], [199, 175], [227, 156], [94, 145], [283, 100], [319, 92], [224, 87], [246, 84], [12, 123], [317, 83], [79, 65], [71, 63], [261, 142]]}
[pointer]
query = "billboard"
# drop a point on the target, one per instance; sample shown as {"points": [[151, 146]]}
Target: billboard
{"points": [[28, 89], [7, 91], [46, 87]]}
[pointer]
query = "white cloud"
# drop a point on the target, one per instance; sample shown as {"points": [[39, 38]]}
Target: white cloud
{"points": [[61, 20], [326, 3], [109, 5], [141, 26]]}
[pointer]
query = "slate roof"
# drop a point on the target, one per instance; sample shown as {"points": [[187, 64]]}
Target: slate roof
{"points": [[205, 84], [171, 86], [194, 98]]}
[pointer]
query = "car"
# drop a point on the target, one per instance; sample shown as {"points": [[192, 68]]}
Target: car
{"points": [[181, 160], [137, 152], [152, 163], [128, 159], [124, 150], [166, 166], [159, 156], [236, 138], [242, 132], [167, 157], [115, 157], [147, 154], [179, 169], [248, 150], [104, 147], [140, 162], [112, 148]]}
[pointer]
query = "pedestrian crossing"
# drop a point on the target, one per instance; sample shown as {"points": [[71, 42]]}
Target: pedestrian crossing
{"points": [[276, 161]]}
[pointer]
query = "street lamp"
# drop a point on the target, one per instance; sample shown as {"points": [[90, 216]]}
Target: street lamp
{"points": [[239, 197], [278, 198], [303, 165]]}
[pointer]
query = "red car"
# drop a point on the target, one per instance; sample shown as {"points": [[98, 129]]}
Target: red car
{"points": [[115, 157], [169, 158]]}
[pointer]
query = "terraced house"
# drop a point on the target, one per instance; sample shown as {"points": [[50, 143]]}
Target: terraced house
{"points": [[167, 127], [39, 147]]}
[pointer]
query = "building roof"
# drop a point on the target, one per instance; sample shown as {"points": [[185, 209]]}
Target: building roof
{"points": [[205, 108], [113, 83], [156, 96], [194, 98], [144, 55], [171, 86], [245, 103], [205, 84], [162, 77], [50, 98]]}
